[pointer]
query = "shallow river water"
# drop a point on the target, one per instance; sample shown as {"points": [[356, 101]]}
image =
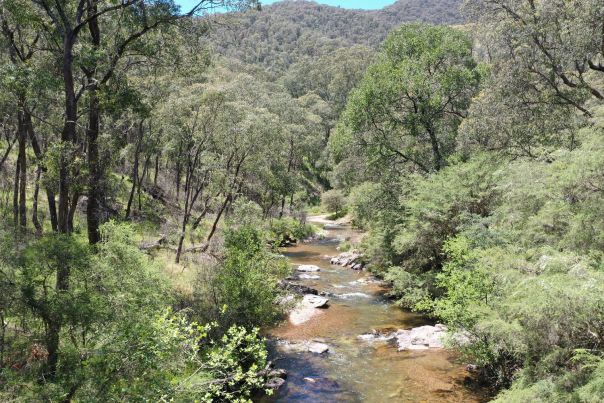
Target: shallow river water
{"points": [[355, 370]]}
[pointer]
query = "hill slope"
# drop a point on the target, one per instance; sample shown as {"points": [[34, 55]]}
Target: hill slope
{"points": [[285, 32]]}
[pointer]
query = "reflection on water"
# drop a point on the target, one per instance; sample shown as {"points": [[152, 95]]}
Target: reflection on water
{"points": [[355, 370]]}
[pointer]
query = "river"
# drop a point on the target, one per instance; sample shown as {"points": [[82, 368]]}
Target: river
{"points": [[355, 370]]}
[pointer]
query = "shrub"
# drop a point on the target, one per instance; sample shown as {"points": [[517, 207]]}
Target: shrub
{"points": [[244, 288], [334, 201], [289, 229], [362, 204]]}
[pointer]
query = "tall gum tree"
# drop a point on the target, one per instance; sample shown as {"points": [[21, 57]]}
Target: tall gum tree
{"points": [[408, 107]]}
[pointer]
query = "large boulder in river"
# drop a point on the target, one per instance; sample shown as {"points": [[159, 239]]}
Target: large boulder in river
{"points": [[308, 268], [314, 301], [421, 338], [417, 338], [311, 346], [307, 309], [348, 259], [318, 348]]}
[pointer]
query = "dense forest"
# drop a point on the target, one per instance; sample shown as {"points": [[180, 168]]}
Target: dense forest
{"points": [[156, 161]]}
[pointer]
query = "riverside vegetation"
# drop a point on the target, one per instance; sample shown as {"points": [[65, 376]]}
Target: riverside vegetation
{"points": [[153, 160]]}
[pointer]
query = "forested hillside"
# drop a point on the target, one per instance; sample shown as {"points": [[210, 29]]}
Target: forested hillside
{"points": [[174, 185], [290, 31]]}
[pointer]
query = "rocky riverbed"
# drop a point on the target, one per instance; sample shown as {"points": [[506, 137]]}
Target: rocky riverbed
{"points": [[344, 340]]}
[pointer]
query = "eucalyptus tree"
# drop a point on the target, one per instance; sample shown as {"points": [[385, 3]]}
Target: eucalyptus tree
{"points": [[76, 33], [190, 119], [558, 44], [28, 87], [248, 138], [546, 69], [409, 105], [92, 43]]}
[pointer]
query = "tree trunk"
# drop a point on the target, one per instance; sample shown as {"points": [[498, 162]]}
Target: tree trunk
{"points": [[156, 171], [34, 213], [16, 193], [183, 229], [22, 172], [7, 152], [135, 170], [178, 174], [50, 194], [95, 189], [140, 182], [68, 136], [73, 206], [93, 216], [217, 219]]}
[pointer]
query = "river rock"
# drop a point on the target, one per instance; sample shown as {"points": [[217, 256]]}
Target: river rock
{"points": [[315, 301], [278, 373], [307, 309], [318, 348], [312, 346], [274, 383], [380, 334], [305, 276], [421, 338], [285, 299], [348, 259], [297, 288], [308, 268]]}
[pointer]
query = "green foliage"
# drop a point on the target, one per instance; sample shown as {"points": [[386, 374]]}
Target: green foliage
{"points": [[245, 285], [334, 201], [362, 204], [408, 107], [467, 286], [235, 365], [288, 229], [296, 31], [119, 340]]}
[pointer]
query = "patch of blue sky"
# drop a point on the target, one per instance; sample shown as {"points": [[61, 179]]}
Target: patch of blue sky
{"points": [[353, 4]]}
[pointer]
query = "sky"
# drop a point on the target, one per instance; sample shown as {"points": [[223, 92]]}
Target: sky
{"points": [[366, 4]]}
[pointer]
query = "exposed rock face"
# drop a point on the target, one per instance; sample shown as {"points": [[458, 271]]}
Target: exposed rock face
{"points": [[349, 259], [308, 268]]}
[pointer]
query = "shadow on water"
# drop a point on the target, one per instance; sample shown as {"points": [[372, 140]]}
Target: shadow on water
{"points": [[307, 380]]}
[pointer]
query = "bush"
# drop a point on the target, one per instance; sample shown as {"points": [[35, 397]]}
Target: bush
{"points": [[244, 287], [334, 201], [362, 204], [289, 229], [119, 341]]}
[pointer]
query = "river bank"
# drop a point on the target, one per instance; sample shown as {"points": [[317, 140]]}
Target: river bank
{"points": [[354, 368]]}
